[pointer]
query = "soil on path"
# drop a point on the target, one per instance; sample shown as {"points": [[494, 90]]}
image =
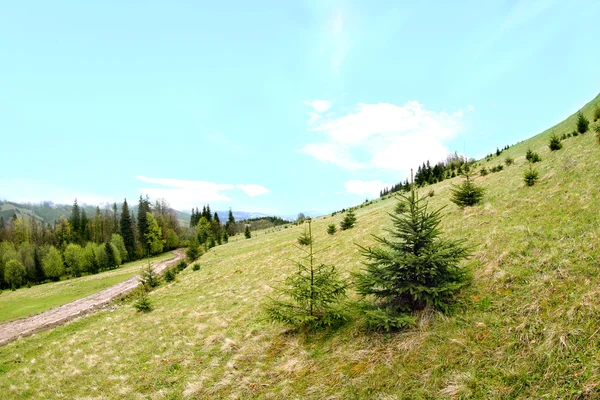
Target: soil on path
{"points": [[12, 330]]}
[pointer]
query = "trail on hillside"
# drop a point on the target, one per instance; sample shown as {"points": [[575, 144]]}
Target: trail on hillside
{"points": [[12, 330]]}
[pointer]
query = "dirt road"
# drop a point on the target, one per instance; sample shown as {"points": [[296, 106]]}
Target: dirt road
{"points": [[12, 330]]}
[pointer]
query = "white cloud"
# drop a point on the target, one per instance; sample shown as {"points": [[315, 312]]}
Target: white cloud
{"points": [[331, 153], [185, 194], [471, 107], [318, 105], [367, 188], [253, 190], [385, 136]]}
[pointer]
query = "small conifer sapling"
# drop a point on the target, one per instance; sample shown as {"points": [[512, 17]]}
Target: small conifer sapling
{"points": [[311, 298]]}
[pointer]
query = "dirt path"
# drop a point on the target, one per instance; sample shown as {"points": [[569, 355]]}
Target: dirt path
{"points": [[12, 330]]}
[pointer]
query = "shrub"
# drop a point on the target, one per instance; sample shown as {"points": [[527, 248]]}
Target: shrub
{"points": [[169, 275], [312, 296], [348, 221], [181, 265], [14, 274], [531, 176], [509, 161], [247, 233], [574, 133], [431, 193], [555, 143], [583, 123], [532, 156], [597, 129], [142, 302], [413, 269], [196, 267], [483, 171], [331, 229], [497, 168], [596, 113]]}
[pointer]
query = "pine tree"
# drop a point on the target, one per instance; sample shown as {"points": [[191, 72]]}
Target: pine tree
{"points": [[312, 297], [208, 213], [247, 233], [348, 221], [467, 193], [412, 269], [127, 231], [331, 229], [583, 123]]}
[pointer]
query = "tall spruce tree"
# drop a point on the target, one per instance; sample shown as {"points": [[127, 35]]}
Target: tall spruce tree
{"points": [[38, 266], [412, 268], [142, 222], [111, 259], [208, 213], [75, 221], [247, 233], [115, 216], [127, 231], [230, 224], [84, 229]]}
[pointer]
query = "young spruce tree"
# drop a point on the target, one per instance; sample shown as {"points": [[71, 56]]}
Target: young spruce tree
{"points": [[348, 221], [467, 193], [413, 268], [311, 298]]}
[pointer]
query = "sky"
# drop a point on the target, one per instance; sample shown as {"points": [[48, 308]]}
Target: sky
{"points": [[277, 107]]}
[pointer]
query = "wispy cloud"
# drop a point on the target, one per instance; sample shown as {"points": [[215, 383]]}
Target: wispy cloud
{"points": [[365, 188], [385, 136], [185, 194], [253, 190], [318, 105], [332, 153], [340, 42]]}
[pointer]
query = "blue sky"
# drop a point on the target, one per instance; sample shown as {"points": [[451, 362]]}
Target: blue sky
{"points": [[275, 106]]}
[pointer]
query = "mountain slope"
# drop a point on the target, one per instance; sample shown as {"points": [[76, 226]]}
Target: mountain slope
{"points": [[528, 327]]}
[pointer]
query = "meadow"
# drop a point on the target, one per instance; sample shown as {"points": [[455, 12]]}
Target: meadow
{"points": [[528, 326]]}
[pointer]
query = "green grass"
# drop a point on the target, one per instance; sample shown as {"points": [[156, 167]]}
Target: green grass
{"points": [[528, 327], [28, 301]]}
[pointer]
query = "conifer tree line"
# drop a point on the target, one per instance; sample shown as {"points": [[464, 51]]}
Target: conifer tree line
{"points": [[32, 251], [428, 175]]}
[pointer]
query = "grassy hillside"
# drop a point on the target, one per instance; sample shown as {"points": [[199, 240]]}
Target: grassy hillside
{"points": [[28, 301], [528, 327]]}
